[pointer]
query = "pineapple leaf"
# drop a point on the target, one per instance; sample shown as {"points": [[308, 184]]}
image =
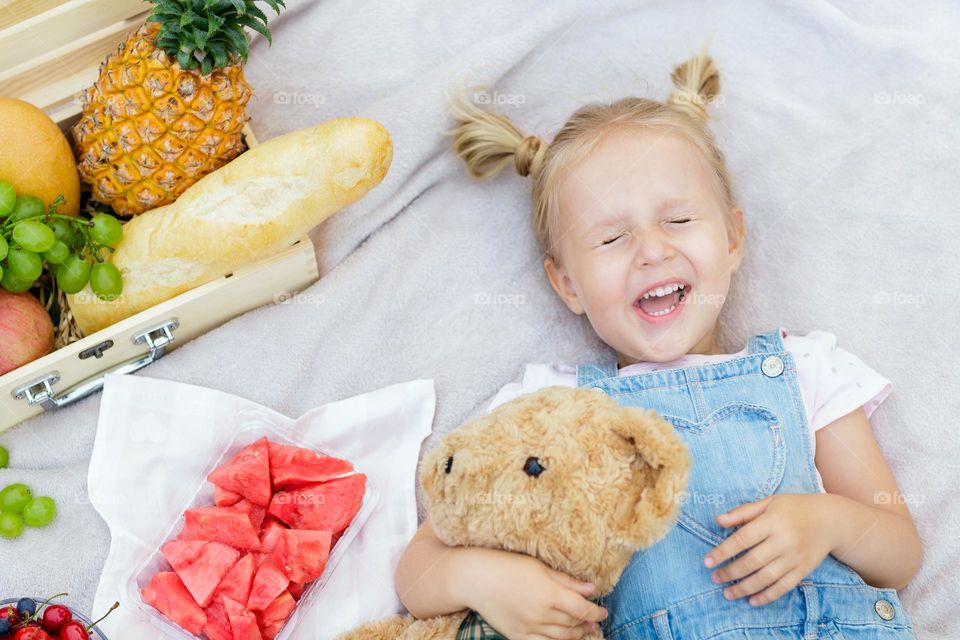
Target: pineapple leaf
{"points": [[240, 6], [206, 65], [275, 5], [214, 22], [256, 26], [254, 11], [219, 51], [185, 60], [189, 17], [238, 42]]}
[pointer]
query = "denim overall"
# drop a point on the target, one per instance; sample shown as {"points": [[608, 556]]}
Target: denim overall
{"points": [[744, 422]]}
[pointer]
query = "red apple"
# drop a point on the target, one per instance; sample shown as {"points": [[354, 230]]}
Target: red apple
{"points": [[26, 331]]}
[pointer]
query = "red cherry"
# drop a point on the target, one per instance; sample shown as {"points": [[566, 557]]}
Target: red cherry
{"points": [[55, 616], [9, 612], [73, 630], [31, 632]]}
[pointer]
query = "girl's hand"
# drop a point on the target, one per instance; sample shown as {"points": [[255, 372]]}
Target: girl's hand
{"points": [[788, 534], [524, 599]]}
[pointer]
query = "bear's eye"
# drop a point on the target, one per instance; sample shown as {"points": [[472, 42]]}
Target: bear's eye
{"points": [[532, 467], [449, 465]]}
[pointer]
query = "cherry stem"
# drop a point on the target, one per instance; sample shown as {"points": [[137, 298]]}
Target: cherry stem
{"points": [[96, 622]]}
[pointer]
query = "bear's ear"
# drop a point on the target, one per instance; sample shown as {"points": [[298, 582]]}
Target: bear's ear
{"points": [[661, 469]]}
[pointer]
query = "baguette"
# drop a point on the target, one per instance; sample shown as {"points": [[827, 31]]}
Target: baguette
{"points": [[250, 209]]}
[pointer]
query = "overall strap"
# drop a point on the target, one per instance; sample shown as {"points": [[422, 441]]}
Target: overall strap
{"points": [[768, 342], [587, 374]]}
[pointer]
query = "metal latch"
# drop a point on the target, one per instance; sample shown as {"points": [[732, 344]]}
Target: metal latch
{"points": [[40, 391]]}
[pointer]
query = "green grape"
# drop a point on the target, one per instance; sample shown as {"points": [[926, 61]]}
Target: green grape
{"points": [[33, 235], [105, 280], [39, 512], [4, 458], [12, 283], [24, 265], [65, 232], [8, 198], [27, 207], [11, 525], [4, 247], [15, 497], [106, 229], [57, 254], [73, 274]]}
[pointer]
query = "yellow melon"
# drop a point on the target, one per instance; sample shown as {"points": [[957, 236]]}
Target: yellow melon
{"points": [[35, 155]]}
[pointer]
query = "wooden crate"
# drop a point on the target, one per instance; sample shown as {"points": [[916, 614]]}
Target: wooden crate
{"points": [[50, 50]]}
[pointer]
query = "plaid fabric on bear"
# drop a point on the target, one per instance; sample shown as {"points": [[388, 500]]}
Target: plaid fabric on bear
{"points": [[475, 627]]}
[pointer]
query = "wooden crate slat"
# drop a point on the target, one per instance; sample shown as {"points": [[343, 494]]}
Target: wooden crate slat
{"points": [[14, 11], [61, 26], [53, 81]]}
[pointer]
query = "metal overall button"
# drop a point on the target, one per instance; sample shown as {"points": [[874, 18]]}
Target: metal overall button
{"points": [[884, 609], [772, 366]]}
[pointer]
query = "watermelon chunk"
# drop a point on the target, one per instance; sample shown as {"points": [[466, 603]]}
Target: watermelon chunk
{"points": [[243, 623], [268, 539], [200, 568], [292, 467], [167, 593], [238, 581], [323, 507], [269, 583], [275, 616], [255, 513], [296, 589], [224, 498], [220, 524], [302, 554], [218, 625], [247, 473]]}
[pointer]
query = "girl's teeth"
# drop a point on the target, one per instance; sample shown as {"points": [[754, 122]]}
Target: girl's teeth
{"points": [[662, 291], [664, 312]]}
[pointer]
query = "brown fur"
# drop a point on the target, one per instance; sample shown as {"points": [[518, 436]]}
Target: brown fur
{"points": [[612, 483]]}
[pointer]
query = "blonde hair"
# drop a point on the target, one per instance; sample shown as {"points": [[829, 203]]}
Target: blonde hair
{"points": [[486, 140]]}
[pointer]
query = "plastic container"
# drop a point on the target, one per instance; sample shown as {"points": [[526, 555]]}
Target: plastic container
{"points": [[95, 632], [251, 426]]}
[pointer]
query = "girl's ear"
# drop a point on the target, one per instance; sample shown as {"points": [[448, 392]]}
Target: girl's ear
{"points": [[735, 240], [562, 285]]}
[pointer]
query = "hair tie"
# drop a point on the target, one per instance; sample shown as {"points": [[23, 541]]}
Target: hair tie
{"points": [[529, 155]]}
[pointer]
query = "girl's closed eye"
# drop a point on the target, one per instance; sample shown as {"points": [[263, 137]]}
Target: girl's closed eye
{"points": [[621, 234], [614, 238]]}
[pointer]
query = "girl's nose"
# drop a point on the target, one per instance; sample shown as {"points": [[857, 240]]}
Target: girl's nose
{"points": [[652, 247]]}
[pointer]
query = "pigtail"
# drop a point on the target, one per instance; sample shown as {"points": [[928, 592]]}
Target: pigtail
{"points": [[486, 141], [696, 82]]}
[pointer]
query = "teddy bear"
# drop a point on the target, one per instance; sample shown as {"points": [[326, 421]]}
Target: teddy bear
{"points": [[564, 474]]}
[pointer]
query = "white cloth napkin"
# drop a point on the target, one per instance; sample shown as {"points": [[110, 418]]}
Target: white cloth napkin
{"points": [[155, 439]]}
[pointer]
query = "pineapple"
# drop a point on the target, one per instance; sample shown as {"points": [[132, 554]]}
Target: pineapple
{"points": [[168, 106]]}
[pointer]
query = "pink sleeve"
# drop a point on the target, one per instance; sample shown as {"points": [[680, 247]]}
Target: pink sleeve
{"points": [[839, 382]]}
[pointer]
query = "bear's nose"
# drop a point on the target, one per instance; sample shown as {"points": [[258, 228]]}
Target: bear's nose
{"points": [[448, 466]]}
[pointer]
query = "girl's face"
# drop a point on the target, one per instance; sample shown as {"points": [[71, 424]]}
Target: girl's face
{"points": [[640, 215]]}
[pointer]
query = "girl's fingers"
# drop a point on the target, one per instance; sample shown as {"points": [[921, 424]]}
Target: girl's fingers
{"points": [[563, 632], [579, 607], [759, 580], [759, 556], [562, 619], [744, 513], [785, 583], [743, 538]]}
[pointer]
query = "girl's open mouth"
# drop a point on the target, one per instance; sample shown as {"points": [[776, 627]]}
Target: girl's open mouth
{"points": [[662, 303]]}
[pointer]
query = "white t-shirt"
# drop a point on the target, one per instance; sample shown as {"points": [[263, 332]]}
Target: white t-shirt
{"points": [[833, 382]]}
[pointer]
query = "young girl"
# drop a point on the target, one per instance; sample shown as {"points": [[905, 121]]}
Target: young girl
{"points": [[793, 525]]}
